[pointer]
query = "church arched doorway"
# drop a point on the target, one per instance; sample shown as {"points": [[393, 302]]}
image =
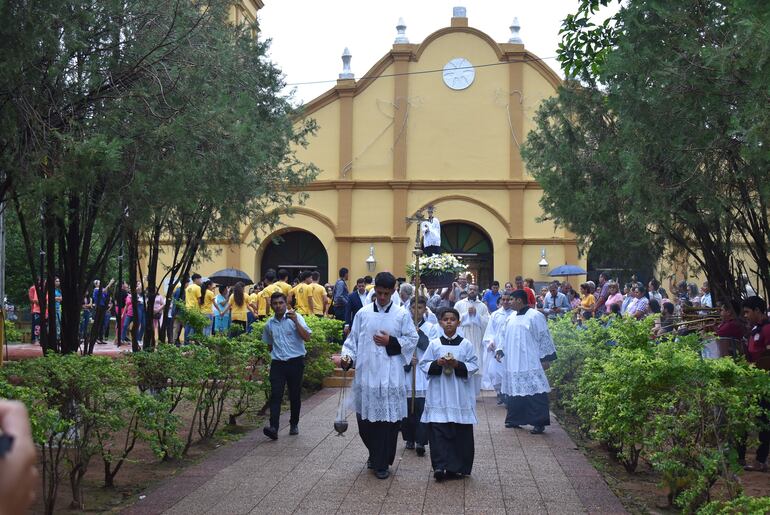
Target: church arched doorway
{"points": [[296, 251], [474, 246]]}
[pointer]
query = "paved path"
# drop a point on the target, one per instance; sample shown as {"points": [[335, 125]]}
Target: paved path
{"points": [[321, 473]]}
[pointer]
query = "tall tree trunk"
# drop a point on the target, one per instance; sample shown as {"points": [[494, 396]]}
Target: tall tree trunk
{"points": [[71, 270], [52, 341], [133, 249]]}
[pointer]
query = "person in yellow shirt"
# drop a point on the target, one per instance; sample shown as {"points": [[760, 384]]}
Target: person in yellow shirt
{"points": [[369, 283], [192, 295], [206, 302], [255, 307], [587, 299], [302, 294], [237, 306], [283, 281], [267, 292], [318, 293]]}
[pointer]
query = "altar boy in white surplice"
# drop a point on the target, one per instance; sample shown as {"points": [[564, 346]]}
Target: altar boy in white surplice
{"points": [[415, 433], [381, 341], [450, 401]]}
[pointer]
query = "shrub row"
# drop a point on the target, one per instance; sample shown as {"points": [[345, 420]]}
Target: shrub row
{"points": [[661, 402], [86, 409]]}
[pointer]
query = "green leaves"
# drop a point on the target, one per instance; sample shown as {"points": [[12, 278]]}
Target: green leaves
{"points": [[661, 139], [659, 401]]}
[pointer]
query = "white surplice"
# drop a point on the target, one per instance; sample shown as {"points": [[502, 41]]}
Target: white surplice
{"points": [[493, 375], [473, 328], [450, 398], [525, 341], [379, 389]]}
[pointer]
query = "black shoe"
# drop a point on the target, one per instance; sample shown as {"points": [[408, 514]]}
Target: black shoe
{"points": [[271, 433], [409, 445], [513, 426], [420, 450], [453, 475], [294, 430], [537, 430], [382, 474], [439, 475], [369, 464]]}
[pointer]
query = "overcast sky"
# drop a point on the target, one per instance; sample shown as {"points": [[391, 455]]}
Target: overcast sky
{"points": [[308, 36]]}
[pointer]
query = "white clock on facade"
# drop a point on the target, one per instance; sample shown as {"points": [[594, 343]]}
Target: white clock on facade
{"points": [[459, 73]]}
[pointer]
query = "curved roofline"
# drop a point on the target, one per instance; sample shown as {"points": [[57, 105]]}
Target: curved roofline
{"points": [[449, 30], [505, 52]]}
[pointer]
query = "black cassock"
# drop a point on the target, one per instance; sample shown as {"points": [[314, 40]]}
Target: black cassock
{"points": [[451, 447]]}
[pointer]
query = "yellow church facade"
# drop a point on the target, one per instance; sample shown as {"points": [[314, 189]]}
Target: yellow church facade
{"points": [[439, 124]]}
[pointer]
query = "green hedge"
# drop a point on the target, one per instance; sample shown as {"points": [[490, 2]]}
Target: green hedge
{"points": [[79, 405], [659, 401]]}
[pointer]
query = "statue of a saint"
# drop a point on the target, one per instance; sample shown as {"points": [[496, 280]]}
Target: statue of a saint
{"points": [[431, 234]]}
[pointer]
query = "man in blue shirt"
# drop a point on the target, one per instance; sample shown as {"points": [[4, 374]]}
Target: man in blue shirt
{"points": [[555, 302], [492, 297], [340, 295], [285, 335]]}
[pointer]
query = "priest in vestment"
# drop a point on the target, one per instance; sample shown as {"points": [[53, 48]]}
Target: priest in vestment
{"points": [[450, 401], [493, 375], [381, 341], [527, 348], [474, 317]]}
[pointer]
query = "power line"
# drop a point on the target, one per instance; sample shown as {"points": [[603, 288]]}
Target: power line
{"points": [[527, 60]]}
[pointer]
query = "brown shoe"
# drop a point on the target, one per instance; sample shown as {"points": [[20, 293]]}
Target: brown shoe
{"points": [[757, 466]]}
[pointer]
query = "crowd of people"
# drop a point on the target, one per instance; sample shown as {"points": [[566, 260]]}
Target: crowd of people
{"points": [[465, 341], [231, 309], [422, 357]]}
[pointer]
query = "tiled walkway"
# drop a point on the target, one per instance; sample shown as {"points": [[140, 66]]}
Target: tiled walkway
{"points": [[321, 473]]}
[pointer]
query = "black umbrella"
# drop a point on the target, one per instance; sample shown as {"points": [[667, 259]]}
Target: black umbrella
{"points": [[230, 276]]}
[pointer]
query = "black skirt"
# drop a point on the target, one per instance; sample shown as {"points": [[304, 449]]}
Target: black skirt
{"points": [[528, 410]]}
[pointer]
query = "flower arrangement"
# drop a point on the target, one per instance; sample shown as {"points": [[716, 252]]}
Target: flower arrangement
{"points": [[438, 264]]}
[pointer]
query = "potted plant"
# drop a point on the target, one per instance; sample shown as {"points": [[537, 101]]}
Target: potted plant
{"points": [[438, 270]]}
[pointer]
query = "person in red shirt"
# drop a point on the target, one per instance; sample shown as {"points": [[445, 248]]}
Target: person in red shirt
{"points": [[755, 311], [531, 300], [34, 307], [730, 327]]}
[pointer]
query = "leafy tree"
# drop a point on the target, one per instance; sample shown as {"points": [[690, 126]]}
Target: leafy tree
{"points": [[670, 119], [138, 123]]}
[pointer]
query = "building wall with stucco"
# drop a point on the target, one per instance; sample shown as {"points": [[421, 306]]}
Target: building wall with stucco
{"points": [[399, 140]]}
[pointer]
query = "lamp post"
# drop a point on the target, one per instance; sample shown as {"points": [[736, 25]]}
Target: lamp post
{"points": [[543, 264], [371, 263]]}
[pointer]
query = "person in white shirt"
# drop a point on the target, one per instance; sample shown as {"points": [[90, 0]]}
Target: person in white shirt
{"points": [[493, 375], [526, 348], [381, 341], [403, 297], [450, 400], [474, 317], [414, 432]]}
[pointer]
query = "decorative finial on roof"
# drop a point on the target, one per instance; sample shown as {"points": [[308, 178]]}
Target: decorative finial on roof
{"points": [[346, 72], [459, 12], [515, 28], [401, 29]]}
